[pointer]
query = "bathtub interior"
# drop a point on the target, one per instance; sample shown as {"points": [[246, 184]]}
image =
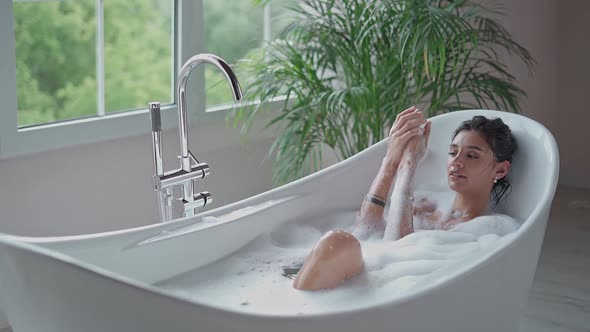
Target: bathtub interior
{"points": [[152, 254], [533, 161]]}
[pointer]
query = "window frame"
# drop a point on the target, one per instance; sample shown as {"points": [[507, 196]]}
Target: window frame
{"points": [[15, 141]]}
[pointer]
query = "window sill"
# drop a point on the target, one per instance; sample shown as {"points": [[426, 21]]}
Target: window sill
{"points": [[81, 131], [48, 137]]}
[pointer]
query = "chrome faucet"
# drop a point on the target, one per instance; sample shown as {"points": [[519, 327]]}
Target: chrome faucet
{"points": [[190, 169]]}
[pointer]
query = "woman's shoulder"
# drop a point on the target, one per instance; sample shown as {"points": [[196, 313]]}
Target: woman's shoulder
{"points": [[426, 215], [423, 205], [429, 201]]}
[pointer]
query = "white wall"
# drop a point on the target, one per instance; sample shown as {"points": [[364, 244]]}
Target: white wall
{"points": [[3, 320], [556, 34], [107, 186], [533, 23], [572, 116]]}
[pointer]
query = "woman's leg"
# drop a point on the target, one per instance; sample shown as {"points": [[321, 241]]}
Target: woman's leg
{"points": [[336, 257]]}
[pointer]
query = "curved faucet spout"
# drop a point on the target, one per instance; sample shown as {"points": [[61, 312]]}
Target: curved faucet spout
{"points": [[190, 169], [185, 71]]}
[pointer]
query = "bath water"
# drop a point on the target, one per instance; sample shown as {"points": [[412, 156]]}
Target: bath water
{"points": [[252, 279]]}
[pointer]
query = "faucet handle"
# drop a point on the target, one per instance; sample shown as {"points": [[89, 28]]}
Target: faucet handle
{"points": [[200, 200], [205, 196], [155, 116], [197, 166], [202, 168]]}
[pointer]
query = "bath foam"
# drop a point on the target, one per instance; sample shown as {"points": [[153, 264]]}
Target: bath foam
{"points": [[251, 280]]}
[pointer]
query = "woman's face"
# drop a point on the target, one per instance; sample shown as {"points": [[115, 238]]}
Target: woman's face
{"points": [[472, 167]]}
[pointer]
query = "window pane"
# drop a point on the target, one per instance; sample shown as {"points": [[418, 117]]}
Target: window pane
{"points": [[56, 60], [138, 44], [281, 15], [232, 29]]}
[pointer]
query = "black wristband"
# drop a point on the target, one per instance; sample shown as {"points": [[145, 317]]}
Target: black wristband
{"points": [[374, 200]]}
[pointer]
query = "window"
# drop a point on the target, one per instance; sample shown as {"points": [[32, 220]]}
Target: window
{"points": [[85, 58], [236, 37], [232, 38], [83, 71]]}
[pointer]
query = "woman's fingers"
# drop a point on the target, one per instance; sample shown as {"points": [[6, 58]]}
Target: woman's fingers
{"points": [[427, 127], [403, 139], [406, 111], [400, 115], [411, 124], [405, 118]]}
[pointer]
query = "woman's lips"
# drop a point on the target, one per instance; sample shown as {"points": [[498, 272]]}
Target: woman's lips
{"points": [[456, 176]]}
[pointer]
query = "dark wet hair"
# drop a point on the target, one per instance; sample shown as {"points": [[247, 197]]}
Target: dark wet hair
{"points": [[500, 139]]}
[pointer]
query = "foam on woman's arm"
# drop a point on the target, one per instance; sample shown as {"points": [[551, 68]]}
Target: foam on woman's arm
{"points": [[370, 221], [400, 221]]}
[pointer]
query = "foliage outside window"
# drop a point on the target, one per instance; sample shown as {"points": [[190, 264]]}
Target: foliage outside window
{"points": [[232, 30], [58, 53]]}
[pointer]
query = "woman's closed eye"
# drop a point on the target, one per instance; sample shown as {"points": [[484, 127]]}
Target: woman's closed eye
{"points": [[469, 155]]}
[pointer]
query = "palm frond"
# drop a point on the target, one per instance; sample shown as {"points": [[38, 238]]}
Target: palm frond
{"points": [[348, 67]]}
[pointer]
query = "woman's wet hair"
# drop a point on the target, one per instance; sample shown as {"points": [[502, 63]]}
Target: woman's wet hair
{"points": [[500, 139]]}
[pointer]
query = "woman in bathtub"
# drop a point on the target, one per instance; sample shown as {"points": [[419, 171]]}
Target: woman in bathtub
{"points": [[479, 160]]}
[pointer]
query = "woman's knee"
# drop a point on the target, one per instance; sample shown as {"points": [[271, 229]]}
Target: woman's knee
{"points": [[337, 243], [336, 257]]}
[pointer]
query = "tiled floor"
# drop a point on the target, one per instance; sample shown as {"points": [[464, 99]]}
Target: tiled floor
{"points": [[560, 298]]}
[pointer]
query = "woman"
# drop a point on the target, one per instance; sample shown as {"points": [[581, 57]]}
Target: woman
{"points": [[479, 160]]}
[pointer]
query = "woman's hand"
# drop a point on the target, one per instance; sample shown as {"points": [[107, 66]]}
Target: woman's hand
{"points": [[418, 144], [406, 126]]}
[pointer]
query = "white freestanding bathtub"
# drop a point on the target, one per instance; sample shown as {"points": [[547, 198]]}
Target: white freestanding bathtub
{"points": [[108, 282]]}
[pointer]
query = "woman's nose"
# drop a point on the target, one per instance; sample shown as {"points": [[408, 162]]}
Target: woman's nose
{"points": [[456, 162]]}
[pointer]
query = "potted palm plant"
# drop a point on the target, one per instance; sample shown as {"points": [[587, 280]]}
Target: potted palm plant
{"points": [[347, 67]]}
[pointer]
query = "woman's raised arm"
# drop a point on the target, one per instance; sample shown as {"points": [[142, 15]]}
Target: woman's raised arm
{"points": [[401, 210], [370, 220]]}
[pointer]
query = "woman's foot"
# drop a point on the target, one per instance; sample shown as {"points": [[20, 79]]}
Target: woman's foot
{"points": [[336, 257]]}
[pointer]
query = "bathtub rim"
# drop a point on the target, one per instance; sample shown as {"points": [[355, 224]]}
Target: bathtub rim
{"points": [[33, 245]]}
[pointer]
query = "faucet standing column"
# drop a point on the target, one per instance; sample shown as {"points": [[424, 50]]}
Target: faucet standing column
{"points": [[185, 155], [190, 169]]}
